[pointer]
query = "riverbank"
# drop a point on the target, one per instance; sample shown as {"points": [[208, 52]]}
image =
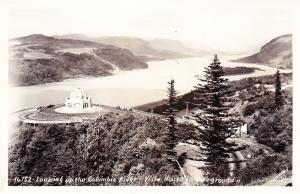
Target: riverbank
{"points": [[160, 106], [128, 88]]}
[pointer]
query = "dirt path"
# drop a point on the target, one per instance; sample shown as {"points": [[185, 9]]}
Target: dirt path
{"points": [[192, 167], [241, 160], [247, 141]]}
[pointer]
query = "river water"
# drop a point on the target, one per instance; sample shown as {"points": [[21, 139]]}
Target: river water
{"points": [[127, 88]]}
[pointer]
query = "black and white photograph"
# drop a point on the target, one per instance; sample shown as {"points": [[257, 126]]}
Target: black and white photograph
{"points": [[150, 93]]}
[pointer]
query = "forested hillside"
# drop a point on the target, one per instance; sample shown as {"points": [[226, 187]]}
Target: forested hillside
{"points": [[113, 146], [276, 53], [156, 49], [39, 59], [149, 149]]}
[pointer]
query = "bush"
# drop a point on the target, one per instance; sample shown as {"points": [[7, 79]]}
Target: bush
{"points": [[184, 132], [113, 145], [249, 109], [274, 129], [262, 167]]}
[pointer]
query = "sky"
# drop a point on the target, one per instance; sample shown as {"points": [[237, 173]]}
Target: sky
{"points": [[228, 25]]}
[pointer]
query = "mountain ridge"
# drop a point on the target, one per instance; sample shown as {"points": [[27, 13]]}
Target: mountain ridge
{"points": [[152, 49], [37, 58], [275, 53]]}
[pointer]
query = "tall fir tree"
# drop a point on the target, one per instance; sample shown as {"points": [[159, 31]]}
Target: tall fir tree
{"points": [[279, 100], [170, 131], [214, 122]]}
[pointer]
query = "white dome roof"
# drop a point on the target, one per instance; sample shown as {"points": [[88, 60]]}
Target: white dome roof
{"points": [[78, 93]]}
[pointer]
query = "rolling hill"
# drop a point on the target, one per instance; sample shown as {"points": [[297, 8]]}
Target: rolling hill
{"points": [[276, 53], [36, 59], [155, 49]]}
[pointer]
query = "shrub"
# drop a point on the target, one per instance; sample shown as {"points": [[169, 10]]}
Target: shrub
{"points": [[262, 167], [249, 109], [112, 145]]}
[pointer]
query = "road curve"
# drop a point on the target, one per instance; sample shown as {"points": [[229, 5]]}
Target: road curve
{"points": [[50, 116]]}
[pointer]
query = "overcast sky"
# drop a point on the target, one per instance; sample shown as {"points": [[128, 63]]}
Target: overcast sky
{"points": [[231, 25]]}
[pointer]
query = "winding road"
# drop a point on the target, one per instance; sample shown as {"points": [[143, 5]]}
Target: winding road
{"points": [[192, 167], [48, 115]]}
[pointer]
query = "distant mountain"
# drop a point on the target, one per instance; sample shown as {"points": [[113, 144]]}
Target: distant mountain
{"points": [[136, 45], [38, 59], [175, 46], [276, 53], [156, 49]]}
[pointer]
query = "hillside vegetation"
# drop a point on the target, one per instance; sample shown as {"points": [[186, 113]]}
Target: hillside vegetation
{"points": [[112, 146], [155, 49], [39, 59], [276, 53], [134, 147]]}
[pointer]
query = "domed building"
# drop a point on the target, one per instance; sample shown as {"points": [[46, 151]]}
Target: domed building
{"points": [[78, 100]]}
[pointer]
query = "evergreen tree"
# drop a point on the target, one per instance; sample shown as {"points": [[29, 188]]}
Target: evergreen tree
{"points": [[279, 100], [170, 113], [214, 122]]}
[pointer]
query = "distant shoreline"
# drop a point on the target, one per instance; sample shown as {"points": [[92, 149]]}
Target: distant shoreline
{"points": [[229, 71], [98, 76], [286, 77]]}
